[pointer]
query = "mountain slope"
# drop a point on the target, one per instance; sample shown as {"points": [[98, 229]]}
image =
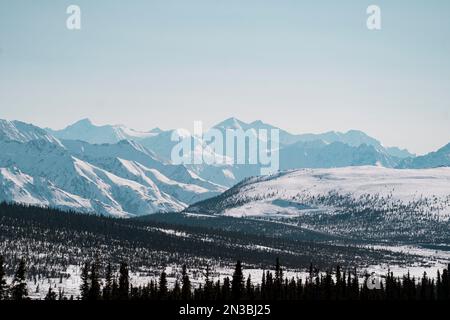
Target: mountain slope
{"points": [[105, 192], [365, 204], [319, 154], [18, 187], [105, 154], [113, 179], [23, 132], [294, 192], [439, 158]]}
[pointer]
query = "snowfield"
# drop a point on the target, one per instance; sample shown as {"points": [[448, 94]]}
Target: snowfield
{"points": [[289, 193]]}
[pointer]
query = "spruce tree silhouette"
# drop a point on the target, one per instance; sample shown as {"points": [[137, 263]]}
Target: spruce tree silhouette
{"points": [[237, 284], [19, 285], [3, 287], [124, 282]]}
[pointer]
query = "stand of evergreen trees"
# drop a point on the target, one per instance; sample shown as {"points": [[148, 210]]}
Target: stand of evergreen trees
{"points": [[17, 290], [274, 285]]}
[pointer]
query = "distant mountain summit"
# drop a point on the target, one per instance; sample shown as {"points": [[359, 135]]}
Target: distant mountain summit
{"points": [[232, 123], [160, 141], [353, 138], [320, 154], [85, 130], [324, 150]]}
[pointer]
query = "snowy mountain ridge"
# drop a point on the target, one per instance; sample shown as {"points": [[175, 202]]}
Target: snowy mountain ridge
{"points": [[23, 132], [133, 176], [122, 179], [160, 141], [87, 131]]}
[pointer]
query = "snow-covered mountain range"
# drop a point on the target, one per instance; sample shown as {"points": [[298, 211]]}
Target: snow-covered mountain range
{"points": [[120, 179], [119, 171], [160, 142]]}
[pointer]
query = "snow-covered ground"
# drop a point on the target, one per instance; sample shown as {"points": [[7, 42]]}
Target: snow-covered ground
{"points": [[69, 286], [420, 189]]}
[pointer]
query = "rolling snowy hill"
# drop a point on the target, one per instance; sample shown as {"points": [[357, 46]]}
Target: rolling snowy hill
{"points": [[299, 191], [365, 204]]}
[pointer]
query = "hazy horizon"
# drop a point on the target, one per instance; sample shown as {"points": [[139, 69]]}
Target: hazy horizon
{"points": [[304, 67]]}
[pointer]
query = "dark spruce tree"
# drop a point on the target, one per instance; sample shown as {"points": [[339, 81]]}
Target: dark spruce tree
{"points": [[84, 287], [19, 289], [124, 282], [249, 289], [176, 292], [237, 284], [3, 287], [51, 295], [445, 284], [278, 280], [163, 290], [226, 289], [114, 289], [107, 289], [208, 288], [185, 285], [94, 279]]}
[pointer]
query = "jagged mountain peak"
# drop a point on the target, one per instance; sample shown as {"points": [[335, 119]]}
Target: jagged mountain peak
{"points": [[85, 130], [232, 123], [159, 140], [156, 130], [24, 132], [83, 122]]}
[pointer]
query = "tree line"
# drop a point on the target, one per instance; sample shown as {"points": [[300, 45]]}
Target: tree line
{"points": [[52, 240], [337, 284]]}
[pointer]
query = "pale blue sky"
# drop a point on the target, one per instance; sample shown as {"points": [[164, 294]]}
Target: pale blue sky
{"points": [[306, 66]]}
